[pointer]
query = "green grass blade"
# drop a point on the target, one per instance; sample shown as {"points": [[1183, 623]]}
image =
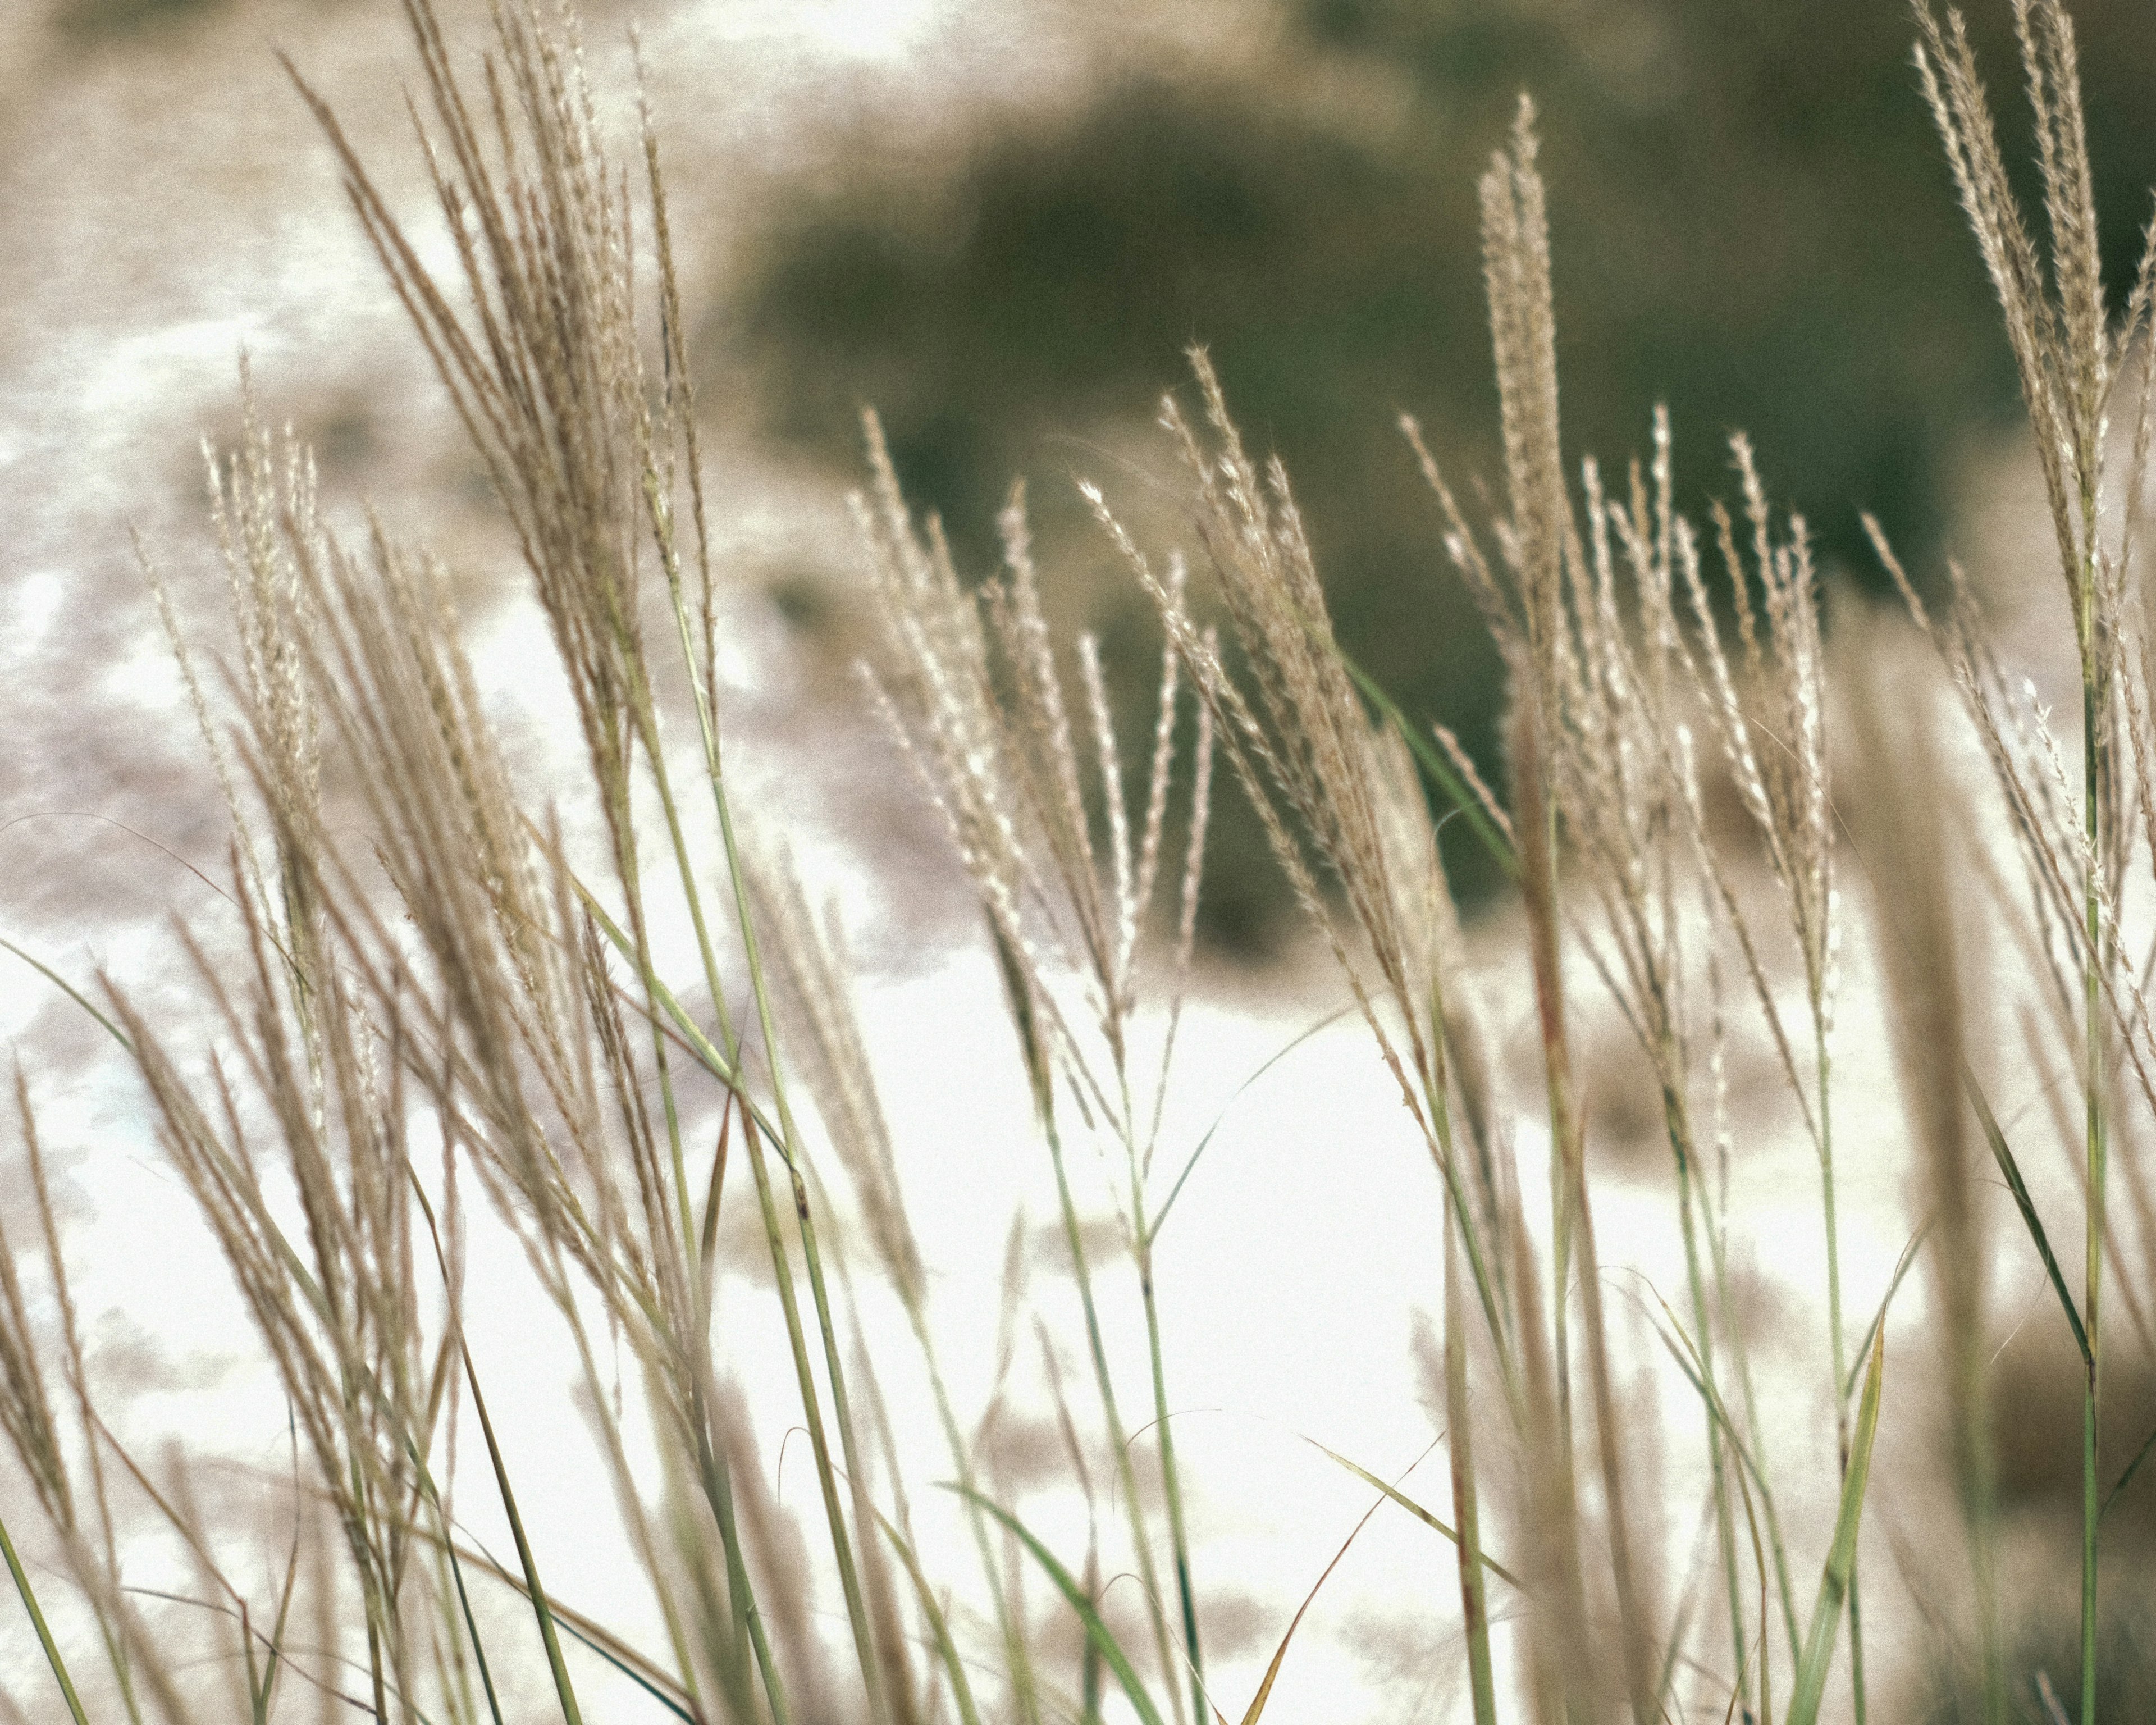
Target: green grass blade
{"points": [[625, 1660], [1097, 1634], [1418, 1511], [1438, 767], [1842, 1558], [536, 1594], [2132, 1467], [1750, 1476], [1678, 1344], [2003, 1156], [947, 1650], [662, 1687], [275, 1663], [1460, 1442], [38, 1617]]}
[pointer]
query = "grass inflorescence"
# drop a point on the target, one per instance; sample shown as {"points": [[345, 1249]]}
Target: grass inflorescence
{"points": [[604, 1020]]}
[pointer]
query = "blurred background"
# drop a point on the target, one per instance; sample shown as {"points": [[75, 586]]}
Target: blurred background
{"points": [[1000, 223]]}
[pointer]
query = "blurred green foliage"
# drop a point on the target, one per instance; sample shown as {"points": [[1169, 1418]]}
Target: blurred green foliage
{"points": [[1753, 222], [86, 22]]}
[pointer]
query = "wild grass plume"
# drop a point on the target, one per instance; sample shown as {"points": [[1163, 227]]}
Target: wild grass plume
{"points": [[604, 1032]]}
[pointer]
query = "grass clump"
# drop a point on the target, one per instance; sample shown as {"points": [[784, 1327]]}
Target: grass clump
{"points": [[593, 1007]]}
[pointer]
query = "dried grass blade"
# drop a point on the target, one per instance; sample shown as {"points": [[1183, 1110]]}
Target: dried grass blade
{"points": [[1266, 1688], [72, 992]]}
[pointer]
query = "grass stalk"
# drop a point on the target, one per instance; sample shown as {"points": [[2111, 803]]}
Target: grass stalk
{"points": [[1458, 1230], [1837, 1345], [1575, 1226], [1677, 1121], [2097, 948], [1126, 1473], [29, 1597], [1024, 1690], [813, 1415], [787, 1140], [1466, 1511], [1171, 1476], [788, 1144]]}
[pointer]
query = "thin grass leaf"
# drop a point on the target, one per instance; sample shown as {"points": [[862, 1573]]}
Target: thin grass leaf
{"points": [[601, 1641], [1842, 1558], [1272, 1670], [534, 1593], [1440, 769], [1681, 1350], [1765, 1646], [1097, 1634], [1679, 1347], [947, 1650], [700, 1046], [2023, 1202], [1878, 1317], [1418, 1511], [604, 1645], [37, 1621], [267, 1687], [1160, 1216], [72, 992], [2132, 1467]]}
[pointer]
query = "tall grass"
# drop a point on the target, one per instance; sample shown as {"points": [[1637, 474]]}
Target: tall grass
{"points": [[584, 1011]]}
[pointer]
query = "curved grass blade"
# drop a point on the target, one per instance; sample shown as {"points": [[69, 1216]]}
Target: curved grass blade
{"points": [[699, 1046], [1418, 1511], [70, 989], [1842, 1558], [1096, 1632], [2132, 1467], [1279, 1653], [1273, 1060], [1681, 1349], [330, 1694], [1901, 1269]]}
